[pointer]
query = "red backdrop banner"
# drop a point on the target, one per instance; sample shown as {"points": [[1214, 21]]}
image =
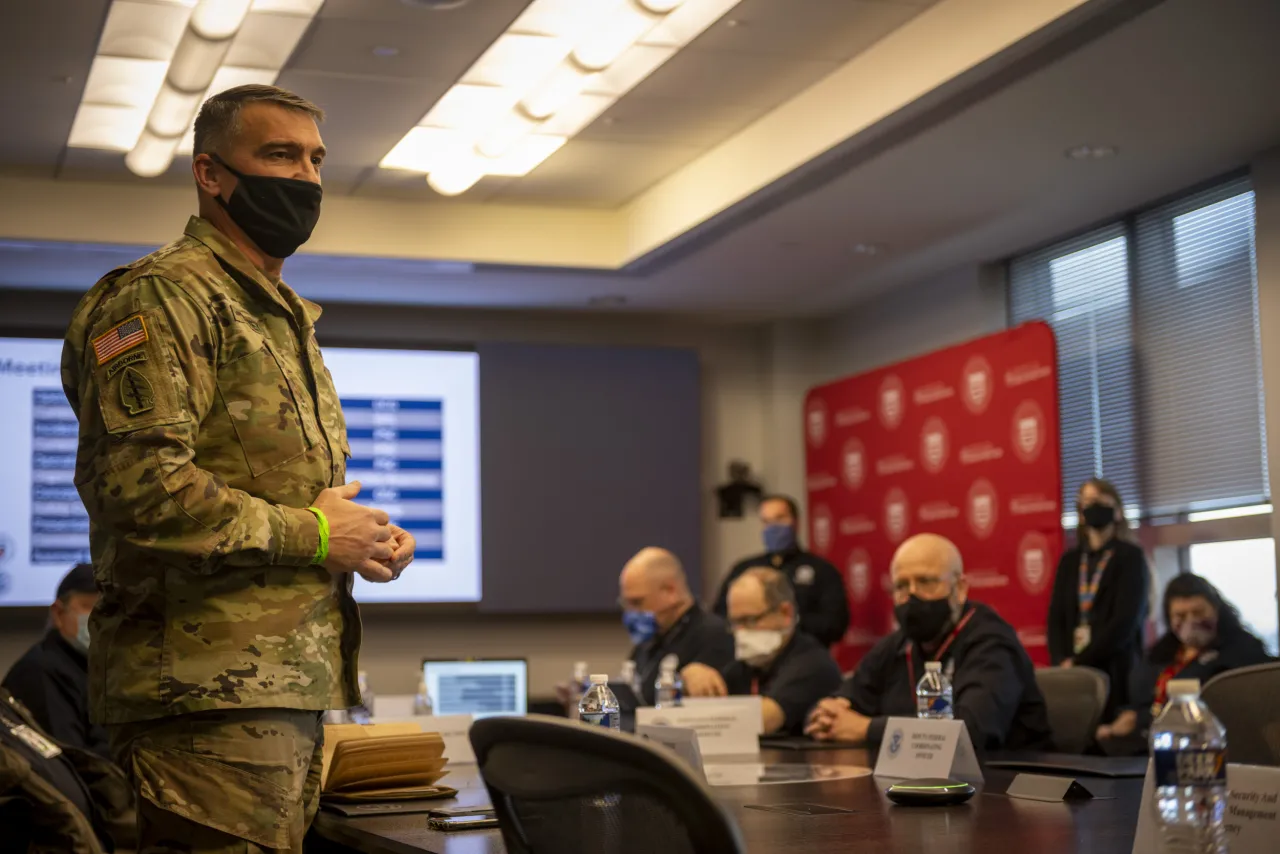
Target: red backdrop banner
{"points": [[962, 442]]}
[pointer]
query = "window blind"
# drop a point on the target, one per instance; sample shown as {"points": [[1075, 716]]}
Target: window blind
{"points": [[1195, 288], [1081, 287], [1160, 377]]}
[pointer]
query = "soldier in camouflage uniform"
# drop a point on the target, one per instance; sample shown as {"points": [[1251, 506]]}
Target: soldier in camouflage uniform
{"points": [[212, 460]]}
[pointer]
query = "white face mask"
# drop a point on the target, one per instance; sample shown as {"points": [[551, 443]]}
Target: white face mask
{"points": [[756, 646], [82, 631]]}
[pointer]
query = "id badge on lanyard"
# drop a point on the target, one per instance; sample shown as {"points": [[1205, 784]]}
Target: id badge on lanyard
{"points": [[37, 742], [1083, 634]]}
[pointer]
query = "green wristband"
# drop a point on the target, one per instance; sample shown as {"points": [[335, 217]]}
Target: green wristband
{"points": [[322, 550]]}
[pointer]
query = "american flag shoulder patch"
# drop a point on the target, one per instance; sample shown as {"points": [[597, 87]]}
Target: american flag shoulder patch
{"points": [[123, 336]]}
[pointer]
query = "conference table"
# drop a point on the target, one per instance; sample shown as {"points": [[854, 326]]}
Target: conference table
{"points": [[990, 823]]}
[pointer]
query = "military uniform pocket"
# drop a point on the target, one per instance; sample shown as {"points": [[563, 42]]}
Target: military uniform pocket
{"points": [[263, 411], [217, 795], [135, 373]]}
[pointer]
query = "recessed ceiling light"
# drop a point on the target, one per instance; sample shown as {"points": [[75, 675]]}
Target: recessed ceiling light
{"points": [[385, 51], [607, 301], [1090, 152], [867, 248]]}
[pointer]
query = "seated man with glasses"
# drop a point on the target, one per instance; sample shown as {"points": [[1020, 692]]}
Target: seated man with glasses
{"points": [[992, 678], [788, 668]]}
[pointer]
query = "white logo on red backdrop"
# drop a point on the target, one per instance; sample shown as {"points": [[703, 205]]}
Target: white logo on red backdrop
{"points": [[897, 515], [893, 401], [815, 421], [860, 574], [935, 445], [983, 511], [855, 463], [977, 384], [1033, 562], [822, 529], [1029, 430]]}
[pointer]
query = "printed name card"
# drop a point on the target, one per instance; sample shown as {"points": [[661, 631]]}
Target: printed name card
{"points": [[724, 726], [915, 747], [1252, 815]]}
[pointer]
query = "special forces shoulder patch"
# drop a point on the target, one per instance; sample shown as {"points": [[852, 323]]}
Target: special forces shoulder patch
{"points": [[136, 394], [122, 337]]}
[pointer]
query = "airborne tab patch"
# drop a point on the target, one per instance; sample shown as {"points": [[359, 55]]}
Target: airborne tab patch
{"points": [[125, 361], [119, 338]]}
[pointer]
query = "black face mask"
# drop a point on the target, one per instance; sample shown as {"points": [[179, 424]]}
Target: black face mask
{"points": [[923, 620], [1098, 516], [278, 214]]}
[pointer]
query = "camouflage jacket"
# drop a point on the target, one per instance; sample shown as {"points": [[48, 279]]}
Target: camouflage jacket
{"points": [[208, 423], [53, 822]]}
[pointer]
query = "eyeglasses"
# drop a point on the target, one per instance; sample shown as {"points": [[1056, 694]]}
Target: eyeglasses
{"points": [[904, 587], [749, 622]]}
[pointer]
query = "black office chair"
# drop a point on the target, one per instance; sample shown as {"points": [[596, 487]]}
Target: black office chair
{"points": [[559, 785], [1075, 698], [1242, 700]]}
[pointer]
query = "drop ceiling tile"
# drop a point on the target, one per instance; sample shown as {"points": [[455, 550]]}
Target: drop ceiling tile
{"points": [[722, 77], [495, 15], [346, 47], [807, 29], [594, 173], [365, 118]]}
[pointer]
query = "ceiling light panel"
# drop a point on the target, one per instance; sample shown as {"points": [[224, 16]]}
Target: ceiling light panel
{"points": [[555, 70], [158, 60]]}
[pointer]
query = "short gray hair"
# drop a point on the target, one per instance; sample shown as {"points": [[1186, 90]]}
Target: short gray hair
{"points": [[219, 118], [776, 586]]}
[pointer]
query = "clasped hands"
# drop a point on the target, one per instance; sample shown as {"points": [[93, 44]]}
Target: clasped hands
{"points": [[361, 539], [834, 719]]}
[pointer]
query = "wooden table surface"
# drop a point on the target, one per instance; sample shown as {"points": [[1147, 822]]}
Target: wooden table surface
{"points": [[990, 823]]}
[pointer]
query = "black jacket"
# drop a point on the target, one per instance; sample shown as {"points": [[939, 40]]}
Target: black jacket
{"points": [[992, 679], [697, 637], [52, 681], [801, 675], [821, 599], [1118, 615], [1238, 649]]}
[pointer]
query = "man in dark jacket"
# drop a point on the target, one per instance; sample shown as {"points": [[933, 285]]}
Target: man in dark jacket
{"points": [[52, 678], [992, 678], [819, 586], [56, 797]]}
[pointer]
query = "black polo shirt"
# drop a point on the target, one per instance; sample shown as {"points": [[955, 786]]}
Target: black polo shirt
{"points": [[992, 679], [52, 681], [696, 637], [821, 599], [801, 675]]}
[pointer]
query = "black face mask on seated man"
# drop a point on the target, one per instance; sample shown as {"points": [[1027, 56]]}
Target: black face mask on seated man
{"points": [[923, 620]]}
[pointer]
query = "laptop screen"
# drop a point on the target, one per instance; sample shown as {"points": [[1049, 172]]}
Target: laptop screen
{"points": [[481, 688]]}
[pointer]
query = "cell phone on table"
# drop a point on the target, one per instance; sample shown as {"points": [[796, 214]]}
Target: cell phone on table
{"points": [[462, 822], [450, 812]]}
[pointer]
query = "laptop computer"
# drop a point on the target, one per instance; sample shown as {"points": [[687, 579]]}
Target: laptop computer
{"points": [[483, 687]]}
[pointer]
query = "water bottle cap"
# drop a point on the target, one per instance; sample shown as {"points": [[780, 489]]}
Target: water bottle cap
{"points": [[1184, 688], [933, 667], [599, 678]]}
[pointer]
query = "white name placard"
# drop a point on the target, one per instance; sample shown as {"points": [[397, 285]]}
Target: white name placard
{"points": [[725, 726], [1252, 815], [916, 747]]}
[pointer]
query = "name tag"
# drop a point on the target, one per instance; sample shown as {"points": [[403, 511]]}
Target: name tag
{"points": [[1252, 817], [915, 747], [1081, 638], [725, 726], [37, 742]]}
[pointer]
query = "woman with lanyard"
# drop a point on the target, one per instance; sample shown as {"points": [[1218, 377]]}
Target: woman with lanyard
{"points": [[1205, 637], [1099, 603]]}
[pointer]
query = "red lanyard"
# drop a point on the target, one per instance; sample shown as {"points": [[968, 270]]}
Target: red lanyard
{"points": [[1089, 589], [755, 685], [946, 644]]}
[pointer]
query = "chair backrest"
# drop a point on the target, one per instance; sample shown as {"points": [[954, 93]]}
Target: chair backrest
{"points": [[559, 785], [1244, 701], [1075, 698]]}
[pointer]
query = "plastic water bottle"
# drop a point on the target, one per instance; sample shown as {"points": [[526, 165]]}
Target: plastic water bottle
{"points": [[628, 675], [933, 693], [1189, 751], [422, 700], [598, 706], [668, 690]]}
